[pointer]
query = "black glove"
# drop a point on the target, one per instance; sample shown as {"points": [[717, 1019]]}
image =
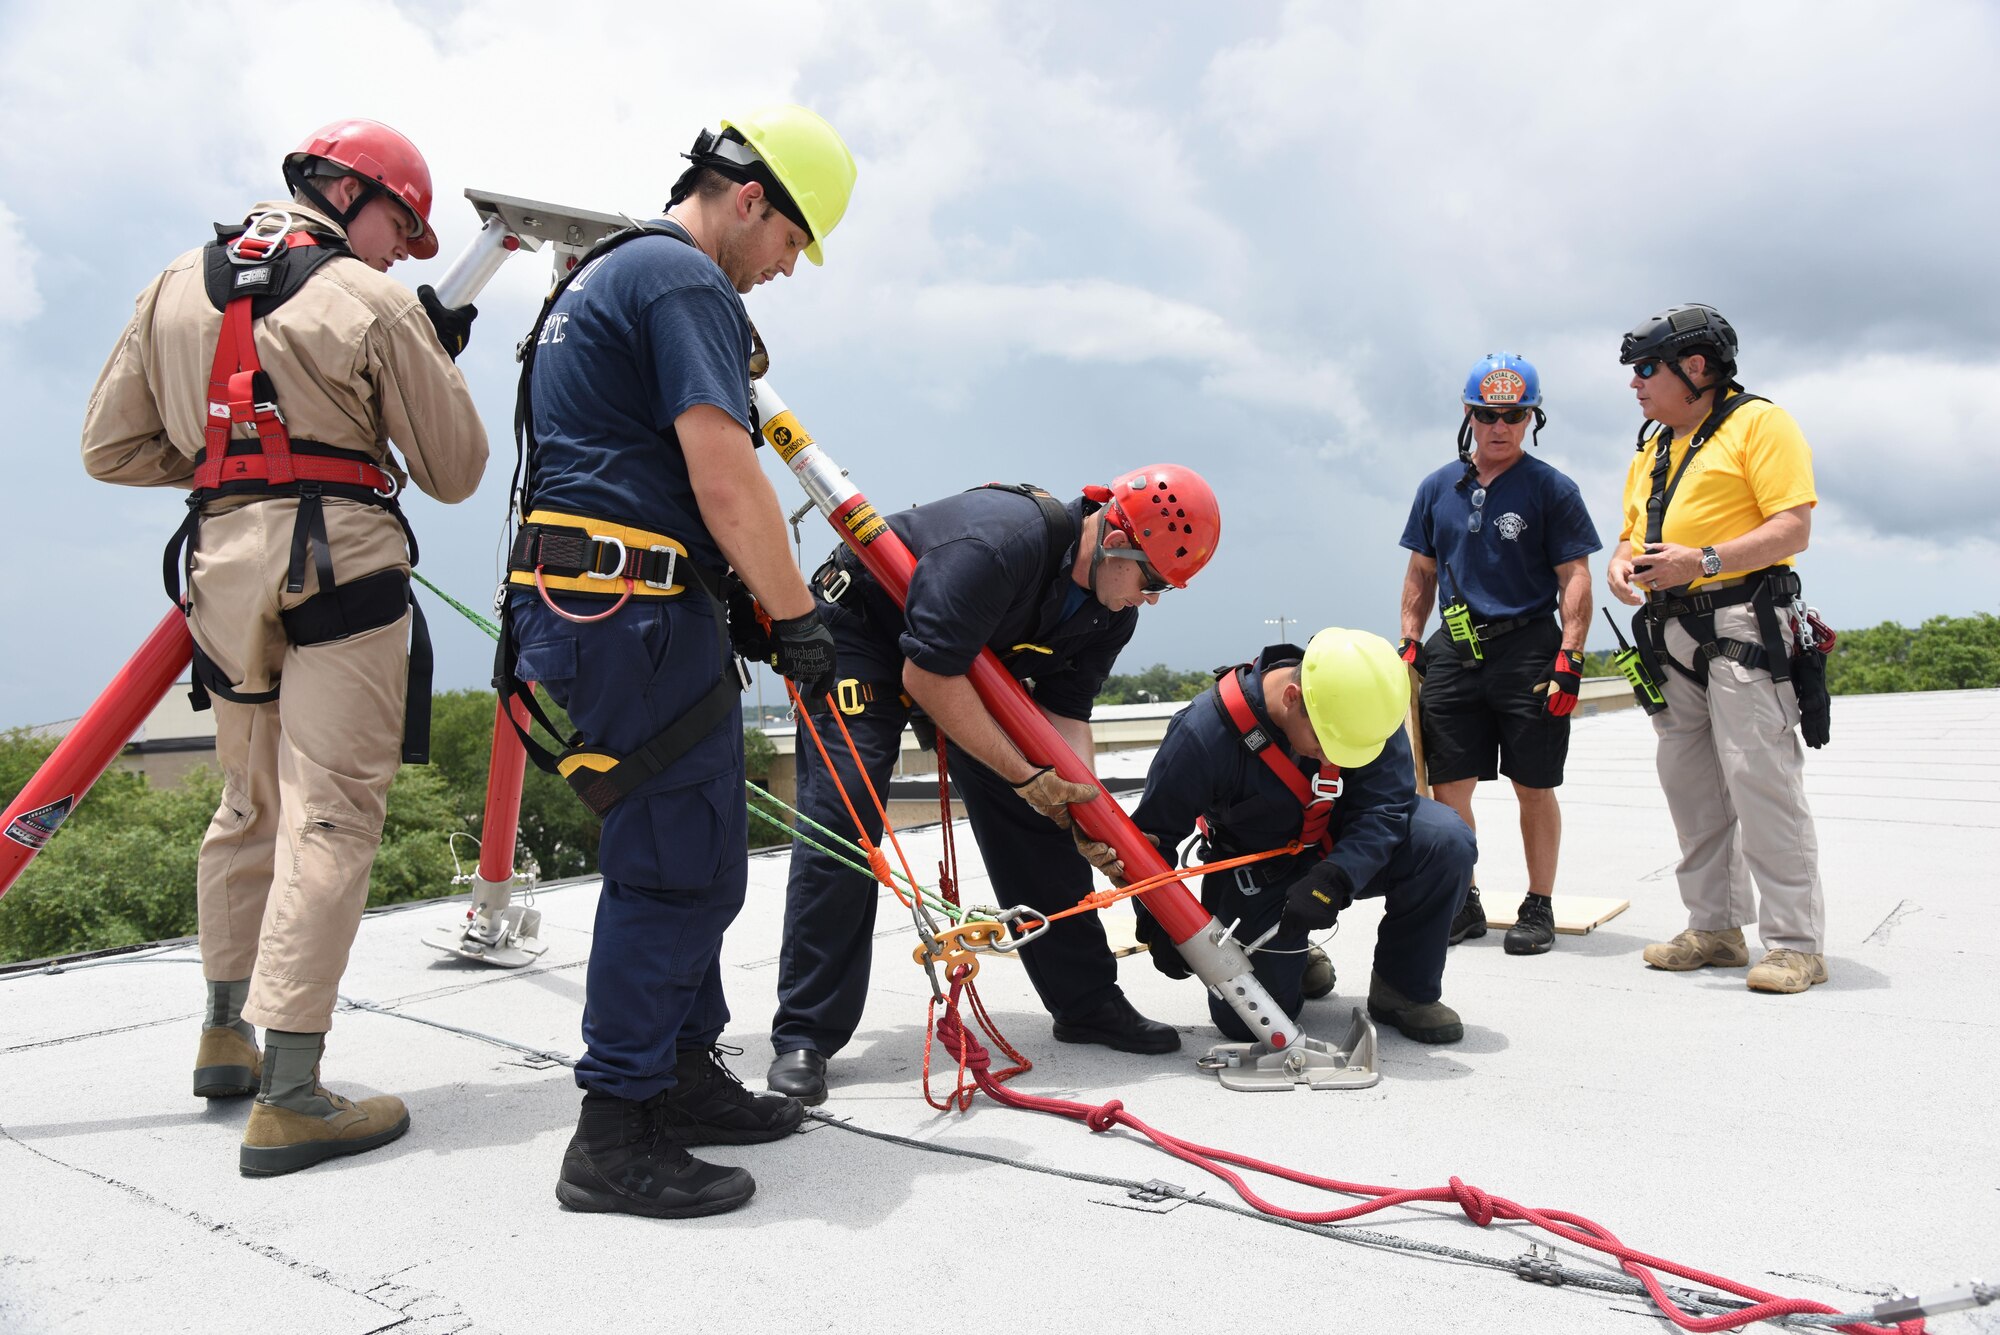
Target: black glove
{"points": [[453, 323], [748, 634], [1154, 937], [1317, 898], [802, 649]]}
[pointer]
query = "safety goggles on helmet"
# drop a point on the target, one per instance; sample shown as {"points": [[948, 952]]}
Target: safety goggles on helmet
{"points": [[1511, 416]]}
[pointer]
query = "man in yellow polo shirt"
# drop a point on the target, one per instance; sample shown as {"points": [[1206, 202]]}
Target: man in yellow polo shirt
{"points": [[1718, 503]]}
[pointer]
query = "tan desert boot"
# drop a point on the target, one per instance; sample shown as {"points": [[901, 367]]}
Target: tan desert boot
{"points": [[1787, 971], [284, 1140], [1693, 949], [227, 1065]]}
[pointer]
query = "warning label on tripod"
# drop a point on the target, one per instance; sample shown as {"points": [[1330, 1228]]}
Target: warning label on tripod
{"points": [[32, 829]]}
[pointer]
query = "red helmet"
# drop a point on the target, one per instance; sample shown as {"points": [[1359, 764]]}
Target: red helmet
{"points": [[1171, 514], [375, 152]]}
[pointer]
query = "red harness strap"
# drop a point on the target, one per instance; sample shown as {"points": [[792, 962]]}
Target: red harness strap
{"points": [[239, 391], [1315, 794]]}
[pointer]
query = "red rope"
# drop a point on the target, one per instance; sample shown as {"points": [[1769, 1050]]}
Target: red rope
{"points": [[1481, 1207]]}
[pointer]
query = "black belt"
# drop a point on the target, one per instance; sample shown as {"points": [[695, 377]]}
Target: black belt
{"points": [[1489, 631]]}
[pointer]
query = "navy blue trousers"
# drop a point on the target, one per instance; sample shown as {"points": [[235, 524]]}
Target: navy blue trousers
{"points": [[830, 909], [1422, 887], [674, 854]]}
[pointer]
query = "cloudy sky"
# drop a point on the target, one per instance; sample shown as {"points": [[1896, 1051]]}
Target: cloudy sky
{"points": [[1266, 241]]}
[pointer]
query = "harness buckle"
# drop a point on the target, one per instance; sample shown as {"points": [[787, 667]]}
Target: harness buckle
{"points": [[1246, 881], [1323, 791], [836, 586], [668, 582], [847, 694], [388, 493], [266, 233], [617, 571]]}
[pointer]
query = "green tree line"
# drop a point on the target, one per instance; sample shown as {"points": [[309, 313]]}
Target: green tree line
{"points": [[121, 871]]}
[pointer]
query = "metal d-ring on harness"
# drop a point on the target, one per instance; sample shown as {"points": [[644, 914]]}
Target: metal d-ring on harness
{"points": [[589, 556], [250, 271]]}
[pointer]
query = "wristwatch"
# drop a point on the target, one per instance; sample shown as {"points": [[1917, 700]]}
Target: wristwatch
{"points": [[1711, 562]]}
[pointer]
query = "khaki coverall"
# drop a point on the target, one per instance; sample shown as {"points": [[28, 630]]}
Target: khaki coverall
{"points": [[356, 365]]}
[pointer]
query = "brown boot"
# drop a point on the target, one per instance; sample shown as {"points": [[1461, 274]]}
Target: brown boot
{"points": [[284, 1140], [1693, 949], [227, 1065], [1787, 971]]}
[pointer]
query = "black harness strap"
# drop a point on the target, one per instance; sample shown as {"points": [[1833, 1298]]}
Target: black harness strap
{"points": [[1663, 441], [599, 778]]}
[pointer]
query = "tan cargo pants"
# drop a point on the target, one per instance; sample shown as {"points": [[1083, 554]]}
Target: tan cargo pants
{"points": [[1733, 769], [283, 874]]}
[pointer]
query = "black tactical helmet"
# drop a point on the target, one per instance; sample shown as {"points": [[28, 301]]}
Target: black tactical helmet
{"points": [[1677, 331]]}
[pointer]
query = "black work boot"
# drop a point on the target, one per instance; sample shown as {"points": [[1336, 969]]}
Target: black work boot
{"points": [[1470, 920], [709, 1106], [618, 1160], [1116, 1024], [1534, 929]]}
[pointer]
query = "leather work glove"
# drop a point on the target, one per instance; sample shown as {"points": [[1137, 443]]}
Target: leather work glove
{"points": [[1565, 681], [1412, 652], [1050, 793], [453, 323], [1165, 957], [1099, 855], [749, 629], [802, 650], [1316, 899]]}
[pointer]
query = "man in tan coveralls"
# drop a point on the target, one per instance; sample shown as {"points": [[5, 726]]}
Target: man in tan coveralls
{"points": [[352, 364]]}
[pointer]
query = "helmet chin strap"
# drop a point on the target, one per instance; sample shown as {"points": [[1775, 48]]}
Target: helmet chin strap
{"points": [[302, 184]]}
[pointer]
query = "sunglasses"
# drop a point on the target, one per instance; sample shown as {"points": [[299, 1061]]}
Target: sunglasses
{"points": [[1151, 580], [1473, 520], [1511, 416], [1647, 369]]}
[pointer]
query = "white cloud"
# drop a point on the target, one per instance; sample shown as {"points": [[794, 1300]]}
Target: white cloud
{"points": [[20, 298], [1905, 445]]}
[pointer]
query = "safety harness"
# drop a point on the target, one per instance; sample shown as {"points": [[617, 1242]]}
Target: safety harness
{"points": [[1315, 792], [1764, 589], [590, 557], [249, 271]]}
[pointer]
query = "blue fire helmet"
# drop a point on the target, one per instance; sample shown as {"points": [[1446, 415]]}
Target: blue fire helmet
{"points": [[1504, 380]]}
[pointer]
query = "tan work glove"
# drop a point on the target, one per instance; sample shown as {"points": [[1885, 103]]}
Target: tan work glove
{"points": [[1099, 855], [1050, 793]]}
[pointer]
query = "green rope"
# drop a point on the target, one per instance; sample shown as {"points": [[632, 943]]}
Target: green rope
{"points": [[849, 854], [492, 631]]}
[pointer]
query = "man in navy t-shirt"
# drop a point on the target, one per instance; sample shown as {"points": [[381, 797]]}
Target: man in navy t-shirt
{"points": [[642, 484], [1512, 540]]}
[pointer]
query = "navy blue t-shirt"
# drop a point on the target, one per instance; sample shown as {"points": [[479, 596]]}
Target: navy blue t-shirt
{"points": [[1533, 521], [639, 337], [983, 580]]}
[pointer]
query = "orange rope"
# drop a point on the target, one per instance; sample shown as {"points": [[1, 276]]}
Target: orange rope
{"points": [[1101, 899], [874, 797], [878, 862]]}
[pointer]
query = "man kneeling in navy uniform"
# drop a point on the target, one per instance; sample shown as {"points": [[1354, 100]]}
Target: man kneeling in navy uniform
{"points": [[1306, 746]]}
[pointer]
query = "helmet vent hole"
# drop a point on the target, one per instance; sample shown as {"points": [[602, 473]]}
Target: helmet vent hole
{"points": [[1180, 551]]}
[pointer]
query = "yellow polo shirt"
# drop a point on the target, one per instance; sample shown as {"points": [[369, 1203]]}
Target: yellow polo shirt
{"points": [[1757, 465]]}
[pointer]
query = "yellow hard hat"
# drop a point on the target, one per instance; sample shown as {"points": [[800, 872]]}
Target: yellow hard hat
{"points": [[1357, 693], [810, 160]]}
